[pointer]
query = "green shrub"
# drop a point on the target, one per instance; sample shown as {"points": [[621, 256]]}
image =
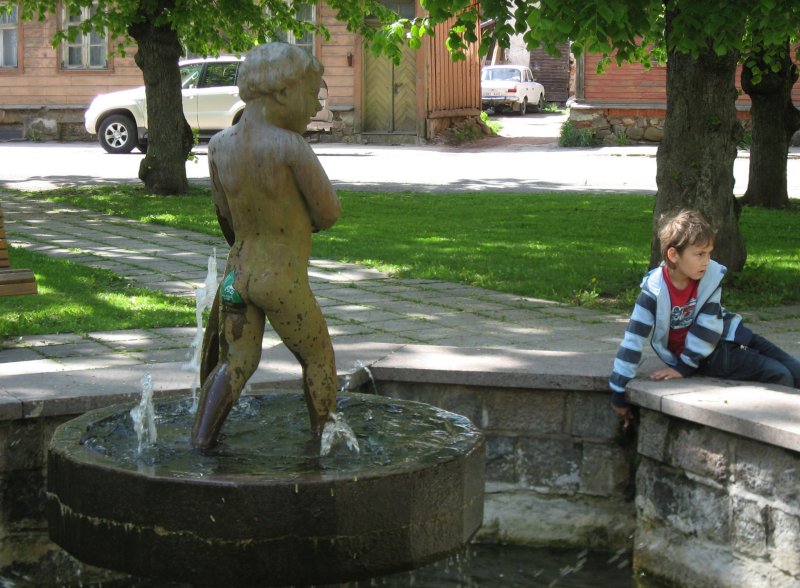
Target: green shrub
{"points": [[574, 137], [551, 107], [746, 141], [494, 125]]}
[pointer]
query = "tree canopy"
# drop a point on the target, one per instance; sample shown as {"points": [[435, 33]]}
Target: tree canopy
{"points": [[231, 26]]}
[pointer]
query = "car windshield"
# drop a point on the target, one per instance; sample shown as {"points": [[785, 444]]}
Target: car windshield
{"points": [[506, 74], [190, 75]]}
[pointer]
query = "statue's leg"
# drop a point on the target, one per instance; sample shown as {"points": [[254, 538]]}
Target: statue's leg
{"points": [[209, 356], [240, 353], [301, 325]]}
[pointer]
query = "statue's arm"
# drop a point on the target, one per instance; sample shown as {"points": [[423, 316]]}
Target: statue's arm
{"points": [[312, 181], [221, 203]]}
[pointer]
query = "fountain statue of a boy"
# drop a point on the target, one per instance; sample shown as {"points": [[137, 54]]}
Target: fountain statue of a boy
{"points": [[271, 194]]}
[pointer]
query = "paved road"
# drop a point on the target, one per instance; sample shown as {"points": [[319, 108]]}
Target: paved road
{"points": [[509, 164]]}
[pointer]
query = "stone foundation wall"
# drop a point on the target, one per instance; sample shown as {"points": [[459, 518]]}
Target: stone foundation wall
{"points": [[615, 126], [48, 123], [618, 125], [725, 507]]}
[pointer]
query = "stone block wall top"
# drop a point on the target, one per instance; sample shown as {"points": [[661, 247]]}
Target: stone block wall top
{"points": [[499, 368], [762, 412]]}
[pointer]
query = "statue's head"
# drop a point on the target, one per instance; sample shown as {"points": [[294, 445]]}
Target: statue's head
{"points": [[273, 67]]}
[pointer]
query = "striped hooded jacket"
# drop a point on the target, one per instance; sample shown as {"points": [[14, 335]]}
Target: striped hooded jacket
{"points": [[711, 324]]}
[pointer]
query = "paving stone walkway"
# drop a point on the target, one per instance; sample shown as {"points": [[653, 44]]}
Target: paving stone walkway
{"points": [[361, 305]]}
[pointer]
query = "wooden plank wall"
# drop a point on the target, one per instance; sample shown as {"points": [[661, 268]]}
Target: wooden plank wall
{"points": [[552, 72], [340, 74], [40, 81], [453, 86], [630, 83]]}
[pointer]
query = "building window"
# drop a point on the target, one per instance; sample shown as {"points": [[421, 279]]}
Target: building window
{"points": [[304, 12], [8, 38], [88, 50]]}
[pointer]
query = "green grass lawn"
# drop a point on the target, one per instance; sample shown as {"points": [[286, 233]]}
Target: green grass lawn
{"points": [[576, 248], [78, 299]]}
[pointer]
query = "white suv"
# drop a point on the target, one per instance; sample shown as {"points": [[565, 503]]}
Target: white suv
{"points": [[210, 103]]}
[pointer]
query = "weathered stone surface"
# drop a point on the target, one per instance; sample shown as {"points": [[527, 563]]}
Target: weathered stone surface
{"points": [[605, 471], [530, 518], [590, 418], [552, 465], [687, 505], [681, 560], [653, 443], [701, 450], [749, 527], [653, 134], [458, 399], [768, 471], [501, 459], [785, 542], [525, 411]]}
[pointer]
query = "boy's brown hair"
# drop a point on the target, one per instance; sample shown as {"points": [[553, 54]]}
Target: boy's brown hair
{"points": [[688, 227]]}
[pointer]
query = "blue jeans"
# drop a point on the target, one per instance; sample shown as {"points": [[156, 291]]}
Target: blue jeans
{"points": [[760, 361]]}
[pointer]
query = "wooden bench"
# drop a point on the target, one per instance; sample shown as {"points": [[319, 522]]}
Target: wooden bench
{"points": [[13, 282]]}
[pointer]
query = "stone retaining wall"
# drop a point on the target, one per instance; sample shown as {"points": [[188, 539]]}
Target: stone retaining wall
{"points": [[725, 507], [618, 124], [47, 123], [557, 470], [707, 493]]}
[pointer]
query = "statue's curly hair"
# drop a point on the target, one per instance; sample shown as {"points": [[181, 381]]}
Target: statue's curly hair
{"points": [[272, 67]]}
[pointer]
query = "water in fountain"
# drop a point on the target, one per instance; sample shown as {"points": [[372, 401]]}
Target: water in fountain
{"points": [[385, 432], [517, 566], [143, 416]]}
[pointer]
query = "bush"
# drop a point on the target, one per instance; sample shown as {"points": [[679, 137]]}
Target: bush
{"points": [[494, 125], [574, 137]]}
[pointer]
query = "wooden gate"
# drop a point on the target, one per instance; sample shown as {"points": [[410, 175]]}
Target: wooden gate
{"points": [[552, 72], [390, 94]]}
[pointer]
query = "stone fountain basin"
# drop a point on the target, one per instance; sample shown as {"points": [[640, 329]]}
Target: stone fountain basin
{"points": [[239, 516]]}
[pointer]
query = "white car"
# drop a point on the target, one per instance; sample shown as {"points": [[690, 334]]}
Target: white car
{"points": [[210, 103], [510, 86]]}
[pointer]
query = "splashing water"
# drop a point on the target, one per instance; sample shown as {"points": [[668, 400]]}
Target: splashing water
{"points": [[143, 415], [337, 429], [371, 378], [348, 379], [204, 298]]}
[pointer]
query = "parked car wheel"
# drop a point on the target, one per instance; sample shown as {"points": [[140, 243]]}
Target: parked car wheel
{"points": [[540, 104], [523, 107], [117, 134]]}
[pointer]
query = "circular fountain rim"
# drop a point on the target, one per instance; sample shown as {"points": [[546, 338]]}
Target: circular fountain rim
{"points": [[268, 532], [78, 426]]}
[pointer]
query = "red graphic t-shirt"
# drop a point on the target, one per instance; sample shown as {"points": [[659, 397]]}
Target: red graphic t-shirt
{"points": [[682, 302]]}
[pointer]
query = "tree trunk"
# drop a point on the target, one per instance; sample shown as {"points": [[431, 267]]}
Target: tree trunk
{"points": [[163, 170], [775, 120], [696, 154]]}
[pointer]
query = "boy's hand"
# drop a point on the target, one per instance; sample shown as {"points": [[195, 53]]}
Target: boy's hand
{"points": [[666, 374], [625, 413]]}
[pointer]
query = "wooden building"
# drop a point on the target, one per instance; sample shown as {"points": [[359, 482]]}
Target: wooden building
{"points": [[44, 90], [553, 72], [631, 100]]}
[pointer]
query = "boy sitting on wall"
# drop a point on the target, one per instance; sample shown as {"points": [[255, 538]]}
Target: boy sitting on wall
{"points": [[691, 331]]}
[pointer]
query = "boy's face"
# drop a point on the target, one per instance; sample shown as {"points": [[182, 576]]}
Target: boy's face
{"points": [[692, 262], [304, 103]]}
